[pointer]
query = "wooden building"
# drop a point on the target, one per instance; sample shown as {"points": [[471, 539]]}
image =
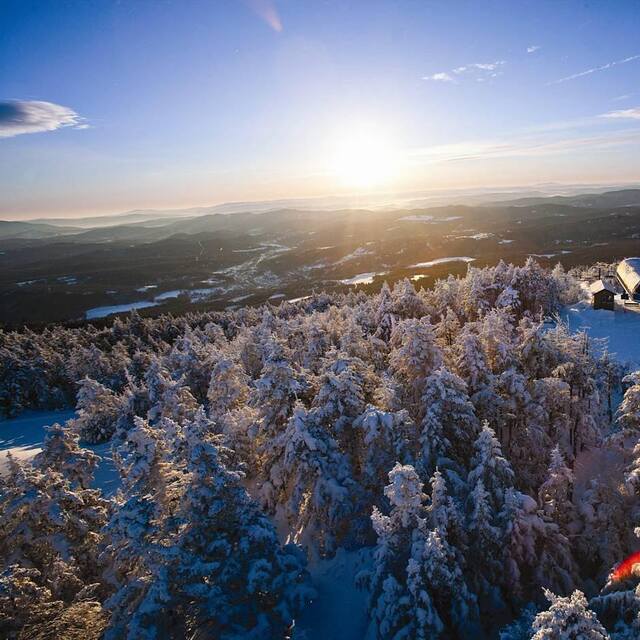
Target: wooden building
{"points": [[628, 275], [602, 295]]}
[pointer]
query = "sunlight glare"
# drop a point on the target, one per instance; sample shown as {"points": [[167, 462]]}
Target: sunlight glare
{"points": [[364, 158]]}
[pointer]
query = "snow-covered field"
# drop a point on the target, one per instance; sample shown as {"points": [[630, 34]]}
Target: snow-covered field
{"points": [[362, 278], [103, 312], [23, 437], [621, 328], [432, 263]]}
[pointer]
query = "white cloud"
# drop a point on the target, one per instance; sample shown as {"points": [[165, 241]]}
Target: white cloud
{"points": [[533, 48], [439, 77], [487, 66], [34, 116], [479, 66], [603, 67], [623, 114], [479, 70]]}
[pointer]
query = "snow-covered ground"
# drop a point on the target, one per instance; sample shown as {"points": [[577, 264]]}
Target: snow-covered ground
{"points": [[621, 331], [621, 328], [103, 312], [23, 437], [340, 610], [194, 295], [432, 263], [475, 236], [362, 278], [354, 255], [429, 219]]}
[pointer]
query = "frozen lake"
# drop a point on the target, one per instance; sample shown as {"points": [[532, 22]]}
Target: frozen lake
{"points": [[103, 312]]}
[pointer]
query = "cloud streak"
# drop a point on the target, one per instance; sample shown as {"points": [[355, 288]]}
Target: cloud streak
{"points": [[533, 48], [34, 116], [623, 114], [481, 71], [588, 72], [522, 146]]}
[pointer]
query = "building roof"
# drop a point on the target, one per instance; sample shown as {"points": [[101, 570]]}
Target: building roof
{"points": [[601, 285], [628, 273]]}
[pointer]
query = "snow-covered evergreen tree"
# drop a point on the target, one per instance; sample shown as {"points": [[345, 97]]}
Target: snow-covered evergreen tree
{"points": [[228, 388], [98, 409], [399, 601], [406, 302], [490, 467], [225, 575], [628, 418], [447, 329], [50, 526], [384, 317], [568, 618], [276, 392], [536, 554], [414, 358], [385, 438], [62, 453], [311, 479], [449, 427], [556, 493]]}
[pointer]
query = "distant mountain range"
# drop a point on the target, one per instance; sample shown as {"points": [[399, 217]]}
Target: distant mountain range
{"points": [[169, 261], [621, 198], [153, 225]]}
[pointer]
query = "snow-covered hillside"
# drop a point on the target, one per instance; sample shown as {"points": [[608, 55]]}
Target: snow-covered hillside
{"points": [[428, 464]]}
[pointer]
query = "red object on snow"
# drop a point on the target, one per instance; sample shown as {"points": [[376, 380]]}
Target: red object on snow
{"points": [[625, 569]]}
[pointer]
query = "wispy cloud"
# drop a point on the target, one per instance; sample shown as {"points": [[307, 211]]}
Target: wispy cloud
{"points": [[533, 48], [623, 114], [439, 77], [603, 67], [524, 145], [481, 71], [34, 116], [266, 10]]}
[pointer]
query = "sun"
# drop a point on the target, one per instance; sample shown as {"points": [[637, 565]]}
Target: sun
{"points": [[364, 158]]}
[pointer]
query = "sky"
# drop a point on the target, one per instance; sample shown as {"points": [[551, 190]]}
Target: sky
{"points": [[110, 106]]}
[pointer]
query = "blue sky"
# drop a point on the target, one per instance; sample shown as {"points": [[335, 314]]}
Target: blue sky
{"points": [[179, 103]]}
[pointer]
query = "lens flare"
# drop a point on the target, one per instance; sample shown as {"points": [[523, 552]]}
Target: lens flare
{"points": [[627, 568], [267, 11]]}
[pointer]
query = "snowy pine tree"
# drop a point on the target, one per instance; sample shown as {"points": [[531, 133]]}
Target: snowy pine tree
{"points": [[98, 409], [225, 575], [449, 426], [568, 619]]}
